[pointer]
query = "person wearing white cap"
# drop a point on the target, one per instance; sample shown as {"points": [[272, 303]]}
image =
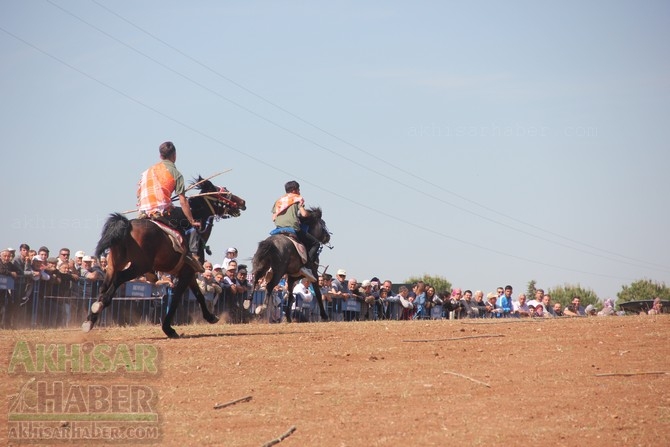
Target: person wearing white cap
{"points": [[78, 261], [338, 290], [90, 271], [231, 255]]}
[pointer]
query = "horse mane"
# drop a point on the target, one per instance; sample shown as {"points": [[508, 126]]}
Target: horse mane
{"points": [[205, 186], [314, 215]]}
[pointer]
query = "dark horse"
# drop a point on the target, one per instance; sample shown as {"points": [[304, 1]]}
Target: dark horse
{"points": [[139, 246], [277, 256]]}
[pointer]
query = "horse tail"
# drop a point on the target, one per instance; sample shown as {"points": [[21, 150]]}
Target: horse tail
{"points": [[115, 230], [266, 256], [267, 252]]}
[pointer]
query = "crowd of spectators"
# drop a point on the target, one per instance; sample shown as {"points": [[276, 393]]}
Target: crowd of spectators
{"points": [[351, 300], [346, 299]]}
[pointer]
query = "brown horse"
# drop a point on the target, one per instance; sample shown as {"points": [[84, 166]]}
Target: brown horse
{"points": [[140, 246]]}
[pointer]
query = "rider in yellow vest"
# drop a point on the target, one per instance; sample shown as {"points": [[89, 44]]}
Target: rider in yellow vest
{"points": [[154, 195], [286, 214]]}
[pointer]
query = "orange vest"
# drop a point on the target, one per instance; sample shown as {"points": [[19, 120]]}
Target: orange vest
{"points": [[154, 193], [285, 202]]}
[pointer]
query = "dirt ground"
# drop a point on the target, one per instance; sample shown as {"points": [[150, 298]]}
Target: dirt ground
{"points": [[467, 382]]}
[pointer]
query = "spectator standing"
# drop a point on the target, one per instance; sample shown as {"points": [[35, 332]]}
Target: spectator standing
{"points": [[468, 308], [90, 271], [243, 287], [521, 308], [63, 256], [353, 300], [402, 298], [229, 286], [419, 301], [78, 261], [23, 261], [369, 297], [43, 253], [231, 255], [479, 303], [209, 288], [548, 306], [302, 301], [430, 299], [492, 309], [504, 302], [383, 305], [7, 267], [575, 309], [558, 311], [338, 292], [537, 310], [10, 269]]}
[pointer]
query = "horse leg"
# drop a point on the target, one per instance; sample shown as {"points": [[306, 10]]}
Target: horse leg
{"points": [[206, 314], [182, 284], [319, 299], [289, 304], [109, 287]]}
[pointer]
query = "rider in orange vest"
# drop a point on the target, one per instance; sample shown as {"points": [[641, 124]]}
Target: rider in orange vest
{"points": [[286, 214], [154, 195]]}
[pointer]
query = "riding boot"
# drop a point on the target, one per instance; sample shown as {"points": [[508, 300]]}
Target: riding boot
{"points": [[306, 270], [193, 239]]}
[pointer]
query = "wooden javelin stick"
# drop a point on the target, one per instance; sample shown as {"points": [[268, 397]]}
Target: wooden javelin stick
{"points": [[187, 189], [204, 180]]}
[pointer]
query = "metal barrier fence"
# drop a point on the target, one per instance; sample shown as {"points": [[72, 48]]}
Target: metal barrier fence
{"points": [[46, 304], [25, 303]]}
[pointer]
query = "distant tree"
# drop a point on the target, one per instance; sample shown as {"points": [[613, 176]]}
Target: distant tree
{"points": [[643, 289], [441, 284], [530, 290], [565, 293]]}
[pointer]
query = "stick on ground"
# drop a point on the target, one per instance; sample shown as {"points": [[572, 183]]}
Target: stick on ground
{"points": [[232, 402], [281, 437], [469, 378], [630, 374], [454, 338]]}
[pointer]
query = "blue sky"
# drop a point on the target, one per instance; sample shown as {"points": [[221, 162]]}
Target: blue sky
{"points": [[489, 143]]}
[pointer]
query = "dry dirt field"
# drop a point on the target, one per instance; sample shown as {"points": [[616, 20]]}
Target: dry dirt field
{"points": [[572, 382]]}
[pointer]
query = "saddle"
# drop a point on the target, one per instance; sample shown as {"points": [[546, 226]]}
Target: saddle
{"points": [[174, 235], [178, 246], [289, 233]]}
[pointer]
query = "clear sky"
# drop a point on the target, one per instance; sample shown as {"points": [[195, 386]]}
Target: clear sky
{"points": [[490, 143]]}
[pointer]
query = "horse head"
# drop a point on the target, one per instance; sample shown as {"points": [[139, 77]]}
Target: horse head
{"points": [[316, 225], [216, 201]]}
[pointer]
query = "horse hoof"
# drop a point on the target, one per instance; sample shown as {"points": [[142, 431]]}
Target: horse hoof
{"points": [[212, 319], [86, 326], [259, 310], [171, 333], [96, 307]]}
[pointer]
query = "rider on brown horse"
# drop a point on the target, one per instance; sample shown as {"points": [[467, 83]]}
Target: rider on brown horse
{"points": [[154, 195], [286, 214]]}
